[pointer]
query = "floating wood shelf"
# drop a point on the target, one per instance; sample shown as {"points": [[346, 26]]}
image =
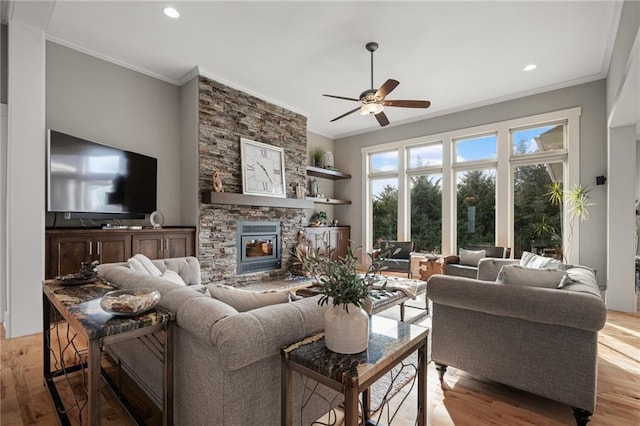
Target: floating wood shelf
{"points": [[319, 200], [326, 173], [228, 198]]}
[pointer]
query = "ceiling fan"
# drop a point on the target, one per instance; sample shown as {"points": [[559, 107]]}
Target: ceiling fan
{"points": [[373, 101]]}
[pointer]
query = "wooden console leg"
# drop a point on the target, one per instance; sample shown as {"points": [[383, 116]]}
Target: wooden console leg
{"points": [[582, 416], [441, 370]]}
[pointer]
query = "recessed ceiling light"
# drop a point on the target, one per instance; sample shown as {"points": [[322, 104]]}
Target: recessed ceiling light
{"points": [[171, 12], [530, 67]]}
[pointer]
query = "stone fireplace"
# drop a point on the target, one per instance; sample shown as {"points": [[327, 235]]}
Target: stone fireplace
{"points": [[226, 115]]}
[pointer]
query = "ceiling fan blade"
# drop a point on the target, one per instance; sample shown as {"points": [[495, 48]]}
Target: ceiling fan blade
{"points": [[407, 104], [342, 97], [386, 88], [345, 114], [382, 118]]}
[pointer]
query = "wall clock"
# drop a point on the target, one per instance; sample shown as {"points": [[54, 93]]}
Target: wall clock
{"points": [[262, 169]]}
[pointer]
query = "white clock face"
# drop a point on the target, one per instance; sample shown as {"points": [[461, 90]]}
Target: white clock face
{"points": [[263, 169]]}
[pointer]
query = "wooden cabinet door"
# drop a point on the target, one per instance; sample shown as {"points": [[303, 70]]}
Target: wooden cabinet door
{"points": [[149, 244], [342, 236], [178, 244], [68, 252], [113, 248]]}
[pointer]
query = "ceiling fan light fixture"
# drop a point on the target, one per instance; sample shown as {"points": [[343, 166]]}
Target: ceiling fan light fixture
{"points": [[371, 109]]}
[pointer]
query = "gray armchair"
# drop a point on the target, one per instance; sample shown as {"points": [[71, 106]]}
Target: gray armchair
{"points": [[454, 266], [395, 256]]}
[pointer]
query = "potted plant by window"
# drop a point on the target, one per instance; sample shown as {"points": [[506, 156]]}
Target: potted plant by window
{"points": [[578, 202], [346, 327]]}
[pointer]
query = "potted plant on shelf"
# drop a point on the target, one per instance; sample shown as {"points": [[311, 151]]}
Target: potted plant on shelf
{"points": [[319, 218], [316, 154], [346, 323]]}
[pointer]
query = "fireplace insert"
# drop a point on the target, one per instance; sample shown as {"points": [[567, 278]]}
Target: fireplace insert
{"points": [[259, 246]]}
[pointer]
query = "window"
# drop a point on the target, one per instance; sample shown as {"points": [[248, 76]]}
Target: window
{"points": [[426, 212], [383, 187], [476, 207], [487, 184], [537, 220], [538, 139], [475, 149]]}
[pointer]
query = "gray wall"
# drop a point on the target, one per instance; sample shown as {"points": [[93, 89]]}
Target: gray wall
{"points": [[189, 149], [627, 30], [623, 114], [106, 103], [593, 154], [3, 63]]}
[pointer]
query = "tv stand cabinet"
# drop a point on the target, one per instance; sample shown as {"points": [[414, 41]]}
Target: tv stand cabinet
{"points": [[66, 249]]}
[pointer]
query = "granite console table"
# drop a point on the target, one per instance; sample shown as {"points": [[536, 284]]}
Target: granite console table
{"points": [[79, 307], [390, 342]]}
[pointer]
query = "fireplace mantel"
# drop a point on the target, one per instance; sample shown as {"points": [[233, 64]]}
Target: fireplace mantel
{"points": [[229, 198]]}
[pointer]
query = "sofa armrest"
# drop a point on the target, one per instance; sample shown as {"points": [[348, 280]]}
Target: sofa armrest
{"points": [[550, 306], [244, 338], [488, 267], [454, 258]]}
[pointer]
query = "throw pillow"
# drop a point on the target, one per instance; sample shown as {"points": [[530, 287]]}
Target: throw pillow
{"points": [[471, 257], [533, 277], [531, 260], [173, 276], [245, 300], [142, 263]]}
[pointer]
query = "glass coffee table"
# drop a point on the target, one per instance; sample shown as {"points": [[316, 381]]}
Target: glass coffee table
{"points": [[390, 342]]}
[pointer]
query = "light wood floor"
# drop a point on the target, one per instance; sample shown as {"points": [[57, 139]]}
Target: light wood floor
{"points": [[467, 400]]}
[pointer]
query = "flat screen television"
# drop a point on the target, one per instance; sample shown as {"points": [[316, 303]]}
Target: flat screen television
{"points": [[90, 180]]}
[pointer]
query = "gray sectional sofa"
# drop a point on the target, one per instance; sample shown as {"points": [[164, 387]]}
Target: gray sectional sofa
{"points": [[541, 340], [226, 363]]}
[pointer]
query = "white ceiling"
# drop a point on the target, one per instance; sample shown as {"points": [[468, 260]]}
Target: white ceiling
{"points": [[455, 54]]}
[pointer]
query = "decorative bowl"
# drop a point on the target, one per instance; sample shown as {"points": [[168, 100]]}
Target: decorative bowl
{"points": [[129, 302]]}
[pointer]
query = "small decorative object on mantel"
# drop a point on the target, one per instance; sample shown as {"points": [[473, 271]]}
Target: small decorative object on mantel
{"points": [[327, 160], [217, 182], [346, 324], [301, 191]]}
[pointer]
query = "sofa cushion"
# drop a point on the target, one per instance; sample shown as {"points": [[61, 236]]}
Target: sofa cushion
{"points": [[459, 270], [173, 276], [531, 260], [245, 300], [533, 277], [142, 263], [471, 257]]}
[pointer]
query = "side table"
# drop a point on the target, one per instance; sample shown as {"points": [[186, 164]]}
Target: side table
{"points": [[390, 342], [79, 306], [430, 265]]}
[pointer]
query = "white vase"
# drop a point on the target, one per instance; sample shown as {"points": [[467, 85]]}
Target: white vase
{"points": [[346, 333]]}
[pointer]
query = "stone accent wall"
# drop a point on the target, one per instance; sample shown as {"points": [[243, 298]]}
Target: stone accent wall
{"points": [[225, 116]]}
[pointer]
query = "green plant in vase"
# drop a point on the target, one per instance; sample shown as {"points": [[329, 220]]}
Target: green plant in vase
{"points": [[319, 218], [316, 154], [347, 291]]}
